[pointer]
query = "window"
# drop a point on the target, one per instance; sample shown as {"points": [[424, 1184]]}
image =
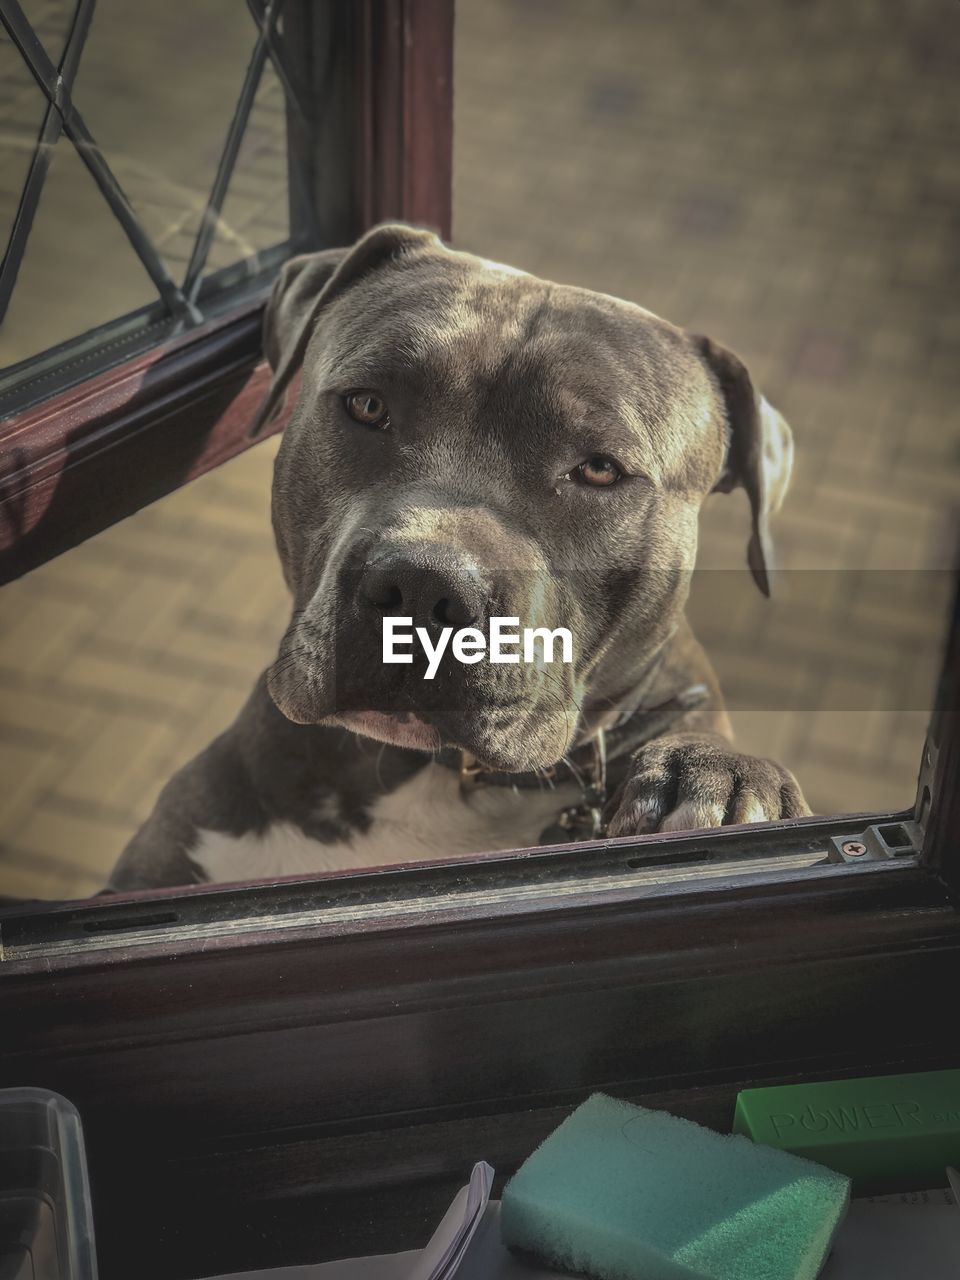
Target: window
{"points": [[130, 208], [278, 1073], [817, 678], [239, 136]]}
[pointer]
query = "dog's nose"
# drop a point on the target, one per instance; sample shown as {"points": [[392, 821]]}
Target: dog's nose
{"points": [[434, 596]]}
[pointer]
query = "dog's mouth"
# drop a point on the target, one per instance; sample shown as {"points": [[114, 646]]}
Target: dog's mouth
{"points": [[402, 729], [509, 717]]}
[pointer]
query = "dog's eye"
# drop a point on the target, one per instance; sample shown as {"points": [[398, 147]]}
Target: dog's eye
{"points": [[599, 471], [367, 408]]}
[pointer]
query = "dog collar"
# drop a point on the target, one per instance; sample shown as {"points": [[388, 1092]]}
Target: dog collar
{"points": [[586, 764]]}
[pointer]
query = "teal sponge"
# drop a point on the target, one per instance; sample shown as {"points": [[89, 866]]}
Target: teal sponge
{"points": [[623, 1193]]}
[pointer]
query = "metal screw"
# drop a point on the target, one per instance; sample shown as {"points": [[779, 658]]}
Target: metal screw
{"points": [[854, 849]]}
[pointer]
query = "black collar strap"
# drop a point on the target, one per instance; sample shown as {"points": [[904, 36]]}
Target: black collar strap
{"points": [[586, 764], [639, 726]]}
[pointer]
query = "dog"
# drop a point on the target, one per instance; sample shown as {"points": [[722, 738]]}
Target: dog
{"points": [[468, 442]]}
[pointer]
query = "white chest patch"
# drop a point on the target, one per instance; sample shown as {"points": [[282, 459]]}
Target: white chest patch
{"points": [[427, 817]]}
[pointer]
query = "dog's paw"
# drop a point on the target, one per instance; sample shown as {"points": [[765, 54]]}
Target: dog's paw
{"points": [[682, 783]]}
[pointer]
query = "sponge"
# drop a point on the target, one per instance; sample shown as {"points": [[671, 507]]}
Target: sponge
{"points": [[620, 1192]]}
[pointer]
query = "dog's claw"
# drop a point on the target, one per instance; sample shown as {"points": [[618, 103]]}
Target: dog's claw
{"points": [[688, 782]]}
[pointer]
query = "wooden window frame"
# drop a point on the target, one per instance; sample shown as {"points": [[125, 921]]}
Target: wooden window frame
{"points": [[301, 1071], [380, 147], [274, 1073]]}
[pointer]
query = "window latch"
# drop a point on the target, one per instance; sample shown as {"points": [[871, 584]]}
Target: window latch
{"points": [[877, 843]]}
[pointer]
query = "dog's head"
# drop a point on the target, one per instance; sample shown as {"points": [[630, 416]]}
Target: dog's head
{"points": [[470, 441]]}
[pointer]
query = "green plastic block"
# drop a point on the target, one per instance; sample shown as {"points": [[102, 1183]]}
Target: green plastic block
{"points": [[884, 1132]]}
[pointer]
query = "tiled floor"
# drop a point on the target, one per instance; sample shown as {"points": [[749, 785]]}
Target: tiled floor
{"points": [[783, 177]]}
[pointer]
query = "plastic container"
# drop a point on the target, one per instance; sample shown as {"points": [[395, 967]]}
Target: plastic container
{"points": [[46, 1222]]}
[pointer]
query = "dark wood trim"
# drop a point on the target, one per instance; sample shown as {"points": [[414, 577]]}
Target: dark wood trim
{"points": [[406, 70], [941, 808], [543, 878], [321, 45], [298, 1094], [74, 464]]}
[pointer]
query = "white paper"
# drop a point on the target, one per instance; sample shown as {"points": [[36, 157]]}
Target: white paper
{"points": [[489, 1258], [915, 1236], [438, 1261], [442, 1256], [386, 1266]]}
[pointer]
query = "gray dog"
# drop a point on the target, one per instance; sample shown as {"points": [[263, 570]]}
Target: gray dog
{"points": [[471, 442]]}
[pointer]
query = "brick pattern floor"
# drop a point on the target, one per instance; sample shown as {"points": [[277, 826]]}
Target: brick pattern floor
{"points": [[783, 177]]}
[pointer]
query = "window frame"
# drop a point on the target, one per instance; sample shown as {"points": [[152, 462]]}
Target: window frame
{"points": [[263, 1052], [169, 414], [182, 407], [381, 128], [289, 1094]]}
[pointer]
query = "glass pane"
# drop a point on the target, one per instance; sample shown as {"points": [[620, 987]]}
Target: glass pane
{"points": [[783, 178], [157, 87], [78, 270], [178, 75], [255, 212], [51, 20], [21, 115]]}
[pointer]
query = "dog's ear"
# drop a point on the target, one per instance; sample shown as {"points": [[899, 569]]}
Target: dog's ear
{"points": [[306, 285], [759, 454]]}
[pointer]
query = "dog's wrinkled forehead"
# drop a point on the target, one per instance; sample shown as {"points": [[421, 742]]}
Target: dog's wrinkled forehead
{"points": [[449, 328], [503, 358]]}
